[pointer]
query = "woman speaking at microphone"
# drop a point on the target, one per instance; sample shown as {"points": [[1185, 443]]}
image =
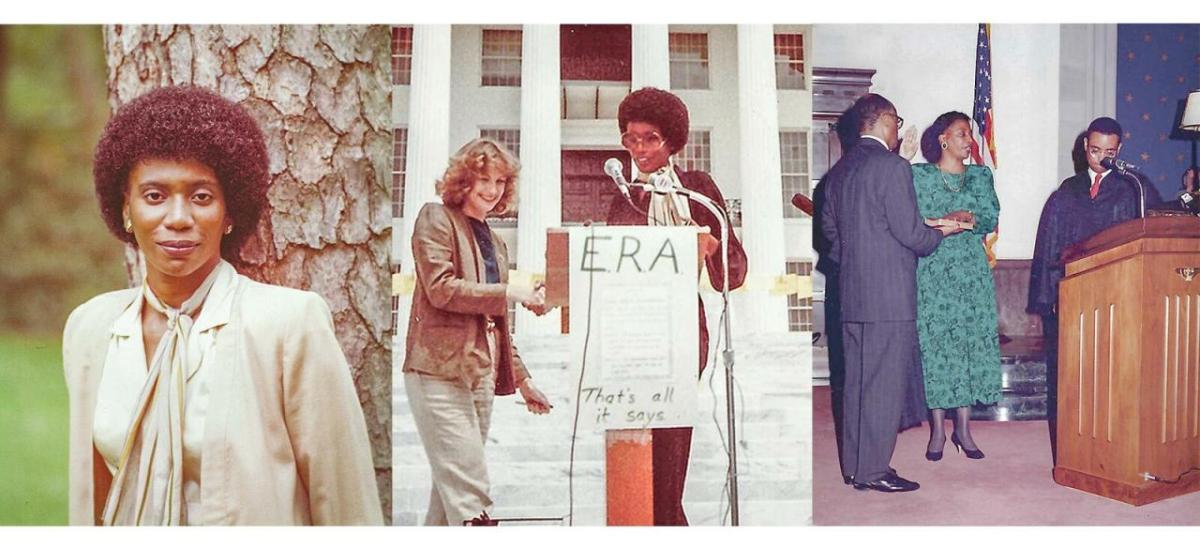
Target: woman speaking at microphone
{"points": [[654, 127]]}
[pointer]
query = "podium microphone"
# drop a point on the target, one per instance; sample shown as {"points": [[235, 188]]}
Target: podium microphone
{"points": [[1117, 164], [612, 168], [1126, 168]]}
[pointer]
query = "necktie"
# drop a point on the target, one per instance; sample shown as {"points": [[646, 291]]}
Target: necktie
{"points": [[1096, 185]]}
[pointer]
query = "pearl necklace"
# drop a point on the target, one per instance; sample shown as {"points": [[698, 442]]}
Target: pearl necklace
{"points": [[946, 181]]}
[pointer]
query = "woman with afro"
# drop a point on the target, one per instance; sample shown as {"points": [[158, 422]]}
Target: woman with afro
{"points": [[202, 396], [654, 127]]}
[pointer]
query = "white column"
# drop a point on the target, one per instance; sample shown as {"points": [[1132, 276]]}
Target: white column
{"points": [[428, 144], [651, 59], [761, 182], [539, 190]]}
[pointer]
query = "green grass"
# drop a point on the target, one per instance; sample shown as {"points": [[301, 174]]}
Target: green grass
{"points": [[33, 431]]}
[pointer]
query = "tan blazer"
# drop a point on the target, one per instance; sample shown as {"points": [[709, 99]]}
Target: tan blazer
{"points": [[285, 442], [447, 327]]}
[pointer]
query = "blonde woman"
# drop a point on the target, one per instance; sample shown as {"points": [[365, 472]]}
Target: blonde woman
{"points": [[459, 353]]}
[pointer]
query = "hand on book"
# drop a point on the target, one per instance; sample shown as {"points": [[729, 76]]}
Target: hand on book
{"points": [[953, 223], [961, 216]]}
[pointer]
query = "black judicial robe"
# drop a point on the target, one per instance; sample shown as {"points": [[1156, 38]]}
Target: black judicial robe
{"points": [[1071, 216]]}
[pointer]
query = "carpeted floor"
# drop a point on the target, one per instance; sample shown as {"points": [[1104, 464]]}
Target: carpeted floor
{"points": [[1012, 486]]}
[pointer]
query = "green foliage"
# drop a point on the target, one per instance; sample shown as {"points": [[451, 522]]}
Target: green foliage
{"points": [[33, 432], [53, 106]]}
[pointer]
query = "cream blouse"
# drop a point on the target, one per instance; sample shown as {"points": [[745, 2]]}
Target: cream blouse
{"points": [[125, 371]]}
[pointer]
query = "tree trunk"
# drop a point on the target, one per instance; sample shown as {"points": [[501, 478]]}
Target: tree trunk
{"points": [[322, 96]]}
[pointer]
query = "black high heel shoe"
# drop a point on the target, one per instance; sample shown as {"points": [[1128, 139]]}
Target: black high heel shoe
{"points": [[934, 457], [970, 453]]}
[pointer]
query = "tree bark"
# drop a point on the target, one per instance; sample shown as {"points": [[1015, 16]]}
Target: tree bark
{"points": [[322, 98]]}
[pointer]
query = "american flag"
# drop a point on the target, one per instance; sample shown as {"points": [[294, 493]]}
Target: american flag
{"points": [[985, 132], [984, 127]]}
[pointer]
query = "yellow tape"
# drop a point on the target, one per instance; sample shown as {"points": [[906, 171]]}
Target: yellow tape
{"points": [[403, 284], [787, 284], [521, 277], [792, 284]]}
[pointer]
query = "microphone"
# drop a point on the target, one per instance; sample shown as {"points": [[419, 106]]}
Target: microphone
{"points": [[1126, 168], [1117, 164], [612, 168]]}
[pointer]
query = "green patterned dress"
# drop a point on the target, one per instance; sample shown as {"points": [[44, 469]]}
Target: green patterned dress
{"points": [[956, 296]]}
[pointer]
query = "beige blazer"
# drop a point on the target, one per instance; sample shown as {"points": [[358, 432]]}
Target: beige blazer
{"points": [[285, 442], [447, 335]]}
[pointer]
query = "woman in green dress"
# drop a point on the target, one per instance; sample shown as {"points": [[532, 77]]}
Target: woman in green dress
{"points": [[956, 297]]}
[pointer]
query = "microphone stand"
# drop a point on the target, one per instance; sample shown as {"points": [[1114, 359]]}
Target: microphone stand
{"points": [[727, 354], [1137, 181]]}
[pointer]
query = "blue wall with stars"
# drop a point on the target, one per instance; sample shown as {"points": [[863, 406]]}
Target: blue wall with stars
{"points": [[1156, 67]]}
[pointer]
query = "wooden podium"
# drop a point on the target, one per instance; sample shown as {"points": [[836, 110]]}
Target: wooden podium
{"points": [[1129, 362]]}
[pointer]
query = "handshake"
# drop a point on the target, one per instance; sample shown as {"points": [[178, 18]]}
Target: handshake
{"points": [[953, 222], [532, 298]]}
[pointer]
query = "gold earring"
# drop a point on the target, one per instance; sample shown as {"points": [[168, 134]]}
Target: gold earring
{"points": [[128, 225], [228, 229], [943, 145]]}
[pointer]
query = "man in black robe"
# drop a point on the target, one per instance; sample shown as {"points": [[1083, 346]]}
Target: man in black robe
{"points": [[1084, 204]]}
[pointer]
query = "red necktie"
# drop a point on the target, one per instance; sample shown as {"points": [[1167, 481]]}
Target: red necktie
{"points": [[1096, 185]]}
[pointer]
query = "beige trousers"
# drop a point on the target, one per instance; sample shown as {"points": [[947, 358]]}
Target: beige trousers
{"points": [[453, 423]]}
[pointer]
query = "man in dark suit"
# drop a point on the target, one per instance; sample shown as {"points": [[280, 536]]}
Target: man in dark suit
{"points": [[1088, 202], [875, 235]]}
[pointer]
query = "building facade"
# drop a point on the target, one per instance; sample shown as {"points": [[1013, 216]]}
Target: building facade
{"points": [[550, 93]]}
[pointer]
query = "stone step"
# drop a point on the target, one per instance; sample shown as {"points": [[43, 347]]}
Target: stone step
{"points": [[528, 456]]}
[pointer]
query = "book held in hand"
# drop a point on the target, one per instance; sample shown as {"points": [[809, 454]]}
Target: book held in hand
{"points": [[950, 222]]}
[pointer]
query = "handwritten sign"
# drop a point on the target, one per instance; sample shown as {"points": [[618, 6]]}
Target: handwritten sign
{"points": [[637, 339]]}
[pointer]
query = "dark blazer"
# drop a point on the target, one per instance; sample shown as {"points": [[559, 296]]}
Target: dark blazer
{"points": [[447, 326], [875, 233], [621, 213]]}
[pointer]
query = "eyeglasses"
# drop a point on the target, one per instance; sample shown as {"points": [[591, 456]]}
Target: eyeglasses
{"points": [[653, 141], [899, 120]]}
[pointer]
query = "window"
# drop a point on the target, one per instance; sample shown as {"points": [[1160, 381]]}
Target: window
{"points": [[689, 60], [402, 55], [800, 311], [695, 156], [793, 158], [399, 166], [789, 61], [510, 138], [501, 57]]}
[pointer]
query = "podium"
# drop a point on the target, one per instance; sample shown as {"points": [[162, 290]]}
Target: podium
{"points": [[633, 367], [1129, 362]]}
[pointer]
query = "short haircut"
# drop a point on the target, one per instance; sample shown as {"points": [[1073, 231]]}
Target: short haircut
{"points": [[185, 123], [661, 109], [867, 110], [931, 148], [471, 162], [1106, 126]]}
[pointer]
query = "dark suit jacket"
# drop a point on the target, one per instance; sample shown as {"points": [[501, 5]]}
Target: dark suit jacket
{"points": [[621, 213], [447, 326], [875, 233]]}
